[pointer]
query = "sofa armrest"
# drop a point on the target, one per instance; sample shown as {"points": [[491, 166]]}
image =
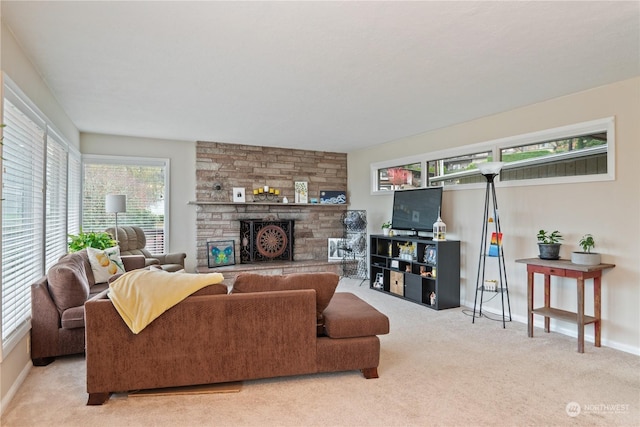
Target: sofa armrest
{"points": [[45, 320], [133, 262]]}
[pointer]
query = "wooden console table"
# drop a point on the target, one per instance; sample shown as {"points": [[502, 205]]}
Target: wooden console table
{"points": [[565, 268]]}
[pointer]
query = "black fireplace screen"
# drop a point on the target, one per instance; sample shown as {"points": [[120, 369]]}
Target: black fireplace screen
{"points": [[266, 240]]}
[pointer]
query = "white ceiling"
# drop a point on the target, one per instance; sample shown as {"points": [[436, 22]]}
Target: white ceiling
{"points": [[330, 76]]}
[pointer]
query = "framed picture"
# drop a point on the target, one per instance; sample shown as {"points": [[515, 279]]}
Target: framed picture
{"points": [[335, 249], [331, 197], [238, 195], [430, 256], [220, 253], [301, 192]]}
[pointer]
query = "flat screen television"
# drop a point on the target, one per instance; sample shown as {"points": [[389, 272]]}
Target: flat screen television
{"points": [[416, 210]]}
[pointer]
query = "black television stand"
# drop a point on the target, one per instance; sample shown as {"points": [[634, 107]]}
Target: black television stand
{"points": [[416, 268]]}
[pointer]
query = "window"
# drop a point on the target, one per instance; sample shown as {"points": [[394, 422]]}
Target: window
{"points": [[143, 181], [36, 178], [579, 155], [75, 189], [576, 153], [55, 201], [22, 214], [400, 177], [457, 170]]}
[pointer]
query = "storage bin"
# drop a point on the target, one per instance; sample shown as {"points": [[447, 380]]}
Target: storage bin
{"points": [[397, 283]]}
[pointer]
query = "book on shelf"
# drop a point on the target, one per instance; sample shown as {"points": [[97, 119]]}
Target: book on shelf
{"points": [[494, 246]]}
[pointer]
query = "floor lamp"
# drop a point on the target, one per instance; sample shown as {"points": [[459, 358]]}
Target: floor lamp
{"points": [[490, 170], [116, 203]]}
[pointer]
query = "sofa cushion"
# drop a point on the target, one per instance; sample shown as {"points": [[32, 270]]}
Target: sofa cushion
{"points": [[347, 316], [323, 283], [105, 263], [73, 318], [68, 283]]}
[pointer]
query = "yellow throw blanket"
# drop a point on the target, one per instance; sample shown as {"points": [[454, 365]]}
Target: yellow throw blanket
{"points": [[140, 296]]}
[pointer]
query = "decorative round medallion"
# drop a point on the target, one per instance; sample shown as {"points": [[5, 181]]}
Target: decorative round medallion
{"points": [[271, 241]]}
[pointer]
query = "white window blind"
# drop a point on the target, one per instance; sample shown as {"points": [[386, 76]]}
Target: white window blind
{"points": [[22, 214], [143, 181], [56, 201], [74, 193]]}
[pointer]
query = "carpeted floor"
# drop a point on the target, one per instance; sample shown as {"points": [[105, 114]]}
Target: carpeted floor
{"points": [[436, 368]]}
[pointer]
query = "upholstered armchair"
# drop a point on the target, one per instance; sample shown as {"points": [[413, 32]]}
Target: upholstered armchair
{"points": [[132, 241]]}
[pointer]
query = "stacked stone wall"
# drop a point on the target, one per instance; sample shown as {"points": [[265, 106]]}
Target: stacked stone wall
{"points": [[249, 167]]}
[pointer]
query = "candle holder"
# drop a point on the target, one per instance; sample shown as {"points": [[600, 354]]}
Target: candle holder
{"points": [[266, 193]]}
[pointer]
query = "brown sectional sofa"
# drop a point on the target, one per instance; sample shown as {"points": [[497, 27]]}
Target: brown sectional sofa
{"points": [[57, 305], [268, 326]]}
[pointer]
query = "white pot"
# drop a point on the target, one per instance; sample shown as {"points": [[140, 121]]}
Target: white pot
{"points": [[385, 231], [585, 258]]}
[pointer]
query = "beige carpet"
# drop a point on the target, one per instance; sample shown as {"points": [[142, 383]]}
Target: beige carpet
{"points": [[437, 368]]}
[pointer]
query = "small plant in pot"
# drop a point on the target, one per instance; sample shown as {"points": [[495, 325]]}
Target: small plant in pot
{"points": [[386, 227], [586, 257], [549, 244]]}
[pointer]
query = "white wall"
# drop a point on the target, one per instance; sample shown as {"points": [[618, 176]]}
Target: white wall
{"points": [[20, 69], [608, 210], [182, 154]]}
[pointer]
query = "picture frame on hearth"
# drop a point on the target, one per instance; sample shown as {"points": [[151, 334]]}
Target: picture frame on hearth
{"points": [[335, 249], [221, 253]]}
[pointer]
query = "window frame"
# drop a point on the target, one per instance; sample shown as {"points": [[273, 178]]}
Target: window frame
{"points": [[135, 161], [593, 126], [11, 92]]}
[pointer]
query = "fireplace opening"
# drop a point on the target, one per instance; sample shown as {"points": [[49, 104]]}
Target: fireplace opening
{"points": [[264, 240]]}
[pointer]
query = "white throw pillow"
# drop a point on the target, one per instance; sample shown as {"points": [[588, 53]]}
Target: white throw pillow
{"points": [[105, 263]]}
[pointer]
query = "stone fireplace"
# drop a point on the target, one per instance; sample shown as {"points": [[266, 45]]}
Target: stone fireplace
{"points": [[228, 166]]}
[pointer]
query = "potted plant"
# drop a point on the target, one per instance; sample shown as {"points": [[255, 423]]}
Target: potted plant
{"points": [[92, 239], [386, 227], [549, 244], [586, 257]]}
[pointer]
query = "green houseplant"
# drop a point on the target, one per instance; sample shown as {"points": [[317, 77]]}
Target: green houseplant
{"points": [[586, 257], [91, 239], [386, 227], [549, 244]]}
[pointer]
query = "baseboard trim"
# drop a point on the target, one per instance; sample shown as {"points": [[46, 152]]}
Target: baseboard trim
{"points": [[4, 403]]}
